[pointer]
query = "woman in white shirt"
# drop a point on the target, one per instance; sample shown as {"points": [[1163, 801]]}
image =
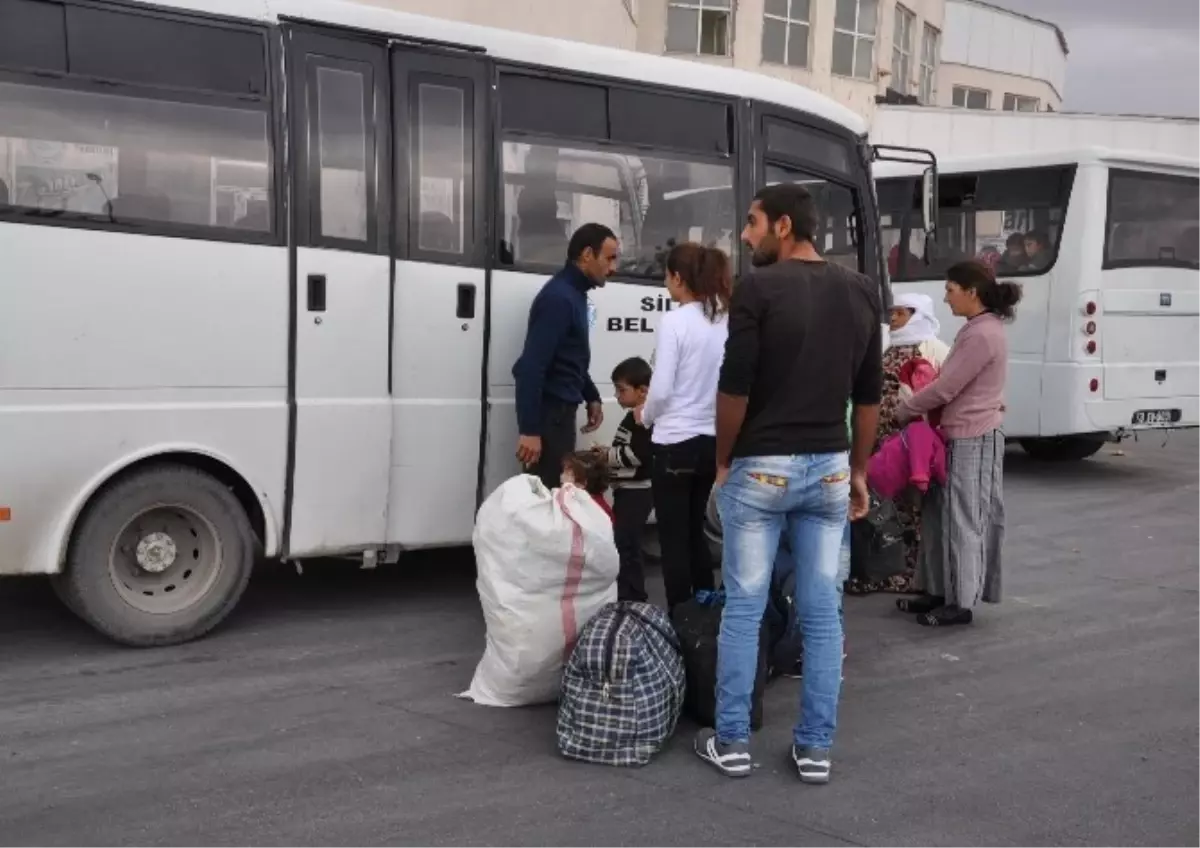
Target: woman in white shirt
{"points": [[681, 409]]}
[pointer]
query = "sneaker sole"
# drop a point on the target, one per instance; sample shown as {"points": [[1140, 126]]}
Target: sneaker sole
{"points": [[708, 758], [819, 776]]}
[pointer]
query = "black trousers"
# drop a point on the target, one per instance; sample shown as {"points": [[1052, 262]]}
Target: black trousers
{"points": [[631, 511], [559, 432], [684, 475]]}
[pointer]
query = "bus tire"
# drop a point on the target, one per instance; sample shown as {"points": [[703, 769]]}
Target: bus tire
{"points": [[159, 557], [1062, 448]]}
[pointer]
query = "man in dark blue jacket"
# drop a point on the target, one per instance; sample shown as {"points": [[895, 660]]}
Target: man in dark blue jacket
{"points": [[552, 374]]}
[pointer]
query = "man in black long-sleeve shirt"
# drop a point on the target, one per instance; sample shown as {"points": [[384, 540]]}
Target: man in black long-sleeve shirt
{"points": [[551, 376], [804, 336]]}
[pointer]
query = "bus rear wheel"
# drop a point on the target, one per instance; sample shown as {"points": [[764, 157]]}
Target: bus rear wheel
{"points": [[160, 557], [1063, 448]]}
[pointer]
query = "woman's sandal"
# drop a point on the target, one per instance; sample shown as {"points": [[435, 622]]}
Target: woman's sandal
{"points": [[919, 605], [945, 616]]}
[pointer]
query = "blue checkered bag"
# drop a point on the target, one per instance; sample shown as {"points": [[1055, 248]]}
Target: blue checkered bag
{"points": [[623, 687]]}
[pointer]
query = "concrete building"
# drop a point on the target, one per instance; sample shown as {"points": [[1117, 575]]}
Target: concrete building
{"points": [[851, 50], [996, 59], [607, 22]]}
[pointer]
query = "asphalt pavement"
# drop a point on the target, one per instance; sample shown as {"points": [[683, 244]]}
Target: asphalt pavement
{"points": [[323, 710]]}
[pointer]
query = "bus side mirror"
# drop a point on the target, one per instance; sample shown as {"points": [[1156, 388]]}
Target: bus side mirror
{"points": [[929, 202]]}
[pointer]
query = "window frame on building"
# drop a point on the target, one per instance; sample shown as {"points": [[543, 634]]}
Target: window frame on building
{"points": [[718, 9], [857, 35], [931, 43], [967, 91], [903, 29], [1013, 102], [789, 20]]}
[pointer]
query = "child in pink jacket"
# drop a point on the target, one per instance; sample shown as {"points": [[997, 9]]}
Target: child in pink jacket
{"points": [[916, 456]]}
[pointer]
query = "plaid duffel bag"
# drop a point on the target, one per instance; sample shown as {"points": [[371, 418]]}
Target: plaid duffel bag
{"points": [[623, 687]]}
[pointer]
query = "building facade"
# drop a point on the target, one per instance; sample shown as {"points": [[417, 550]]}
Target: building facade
{"points": [[859, 52], [1000, 60]]}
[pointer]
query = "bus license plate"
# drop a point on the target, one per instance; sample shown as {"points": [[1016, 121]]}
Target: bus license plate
{"points": [[1152, 417]]}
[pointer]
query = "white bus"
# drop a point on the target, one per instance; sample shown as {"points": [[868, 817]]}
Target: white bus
{"points": [[267, 268], [1105, 343]]}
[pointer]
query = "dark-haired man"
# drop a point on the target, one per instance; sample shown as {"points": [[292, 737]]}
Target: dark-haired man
{"points": [[552, 373], [804, 336]]}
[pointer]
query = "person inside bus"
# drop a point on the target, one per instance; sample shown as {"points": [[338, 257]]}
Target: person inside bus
{"points": [[1037, 248], [681, 410], [785, 464], [1015, 258], [913, 337], [551, 376], [963, 521]]}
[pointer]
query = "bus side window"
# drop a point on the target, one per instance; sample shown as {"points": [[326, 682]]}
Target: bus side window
{"points": [[1152, 220]]}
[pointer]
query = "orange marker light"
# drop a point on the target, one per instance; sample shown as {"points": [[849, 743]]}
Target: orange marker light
{"points": [[5, 513]]}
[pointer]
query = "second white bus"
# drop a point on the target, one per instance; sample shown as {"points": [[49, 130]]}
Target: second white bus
{"points": [[1105, 343]]}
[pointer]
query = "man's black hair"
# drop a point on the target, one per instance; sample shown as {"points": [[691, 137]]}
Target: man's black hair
{"points": [[796, 202], [634, 372], [589, 235]]}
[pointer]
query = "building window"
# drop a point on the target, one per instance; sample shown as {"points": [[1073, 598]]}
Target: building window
{"points": [[699, 26], [854, 38], [972, 98], [902, 49], [930, 49], [1019, 103], [785, 32]]}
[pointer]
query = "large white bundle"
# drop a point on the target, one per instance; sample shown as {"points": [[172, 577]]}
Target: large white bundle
{"points": [[546, 563]]}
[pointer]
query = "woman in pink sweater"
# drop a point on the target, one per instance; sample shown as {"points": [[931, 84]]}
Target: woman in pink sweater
{"points": [[964, 520]]}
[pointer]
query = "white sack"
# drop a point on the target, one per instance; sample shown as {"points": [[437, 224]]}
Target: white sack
{"points": [[546, 563]]}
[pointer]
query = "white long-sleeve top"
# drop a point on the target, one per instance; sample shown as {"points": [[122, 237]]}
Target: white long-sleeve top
{"points": [[682, 401]]}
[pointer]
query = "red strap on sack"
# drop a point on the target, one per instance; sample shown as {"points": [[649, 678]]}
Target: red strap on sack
{"points": [[574, 577]]}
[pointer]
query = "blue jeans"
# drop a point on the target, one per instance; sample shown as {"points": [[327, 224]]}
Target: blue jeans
{"points": [[806, 496]]}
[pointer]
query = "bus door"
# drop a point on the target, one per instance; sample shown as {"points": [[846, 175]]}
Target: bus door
{"points": [[440, 303], [339, 112]]}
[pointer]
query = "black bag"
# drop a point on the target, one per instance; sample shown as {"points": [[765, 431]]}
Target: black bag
{"points": [[698, 623], [877, 544]]}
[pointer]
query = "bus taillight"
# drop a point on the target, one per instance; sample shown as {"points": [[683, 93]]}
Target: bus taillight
{"points": [[1090, 309], [1090, 347], [1094, 385], [1090, 328]]}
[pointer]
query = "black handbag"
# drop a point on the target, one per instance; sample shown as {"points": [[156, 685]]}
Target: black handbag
{"points": [[877, 544]]}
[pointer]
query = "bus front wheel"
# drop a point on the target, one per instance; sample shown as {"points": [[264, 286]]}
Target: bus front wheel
{"points": [[159, 557], [1063, 448]]}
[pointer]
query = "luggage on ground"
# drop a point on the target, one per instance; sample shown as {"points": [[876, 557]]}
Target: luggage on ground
{"points": [[623, 687], [877, 543], [698, 623], [546, 564]]}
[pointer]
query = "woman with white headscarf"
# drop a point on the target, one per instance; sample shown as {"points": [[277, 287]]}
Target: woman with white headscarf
{"points": [[913, 323], [914, 330]]}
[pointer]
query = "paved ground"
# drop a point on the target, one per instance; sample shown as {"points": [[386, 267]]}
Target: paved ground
{"points": [[322, 712]]}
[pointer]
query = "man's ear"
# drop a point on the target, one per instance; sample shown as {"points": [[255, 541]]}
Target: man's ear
{"points": [[783, 227]]}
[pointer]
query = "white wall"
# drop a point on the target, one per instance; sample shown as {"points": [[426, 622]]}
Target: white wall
{"points": [[606, 22], [997, 83], [962, 132], [992, 39]]}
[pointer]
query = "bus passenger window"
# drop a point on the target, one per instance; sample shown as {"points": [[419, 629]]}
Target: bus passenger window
{"points": [[651, 203], [442, 152], [114, 157], [1152, 220], [342, 153]]}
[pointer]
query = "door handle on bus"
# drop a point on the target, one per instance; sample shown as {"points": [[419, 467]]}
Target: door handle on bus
{"points": [[316, 292], [466, 300]]}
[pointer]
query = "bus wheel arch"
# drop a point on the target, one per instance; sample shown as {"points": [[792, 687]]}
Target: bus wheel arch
{"points": [[161, 551]]}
